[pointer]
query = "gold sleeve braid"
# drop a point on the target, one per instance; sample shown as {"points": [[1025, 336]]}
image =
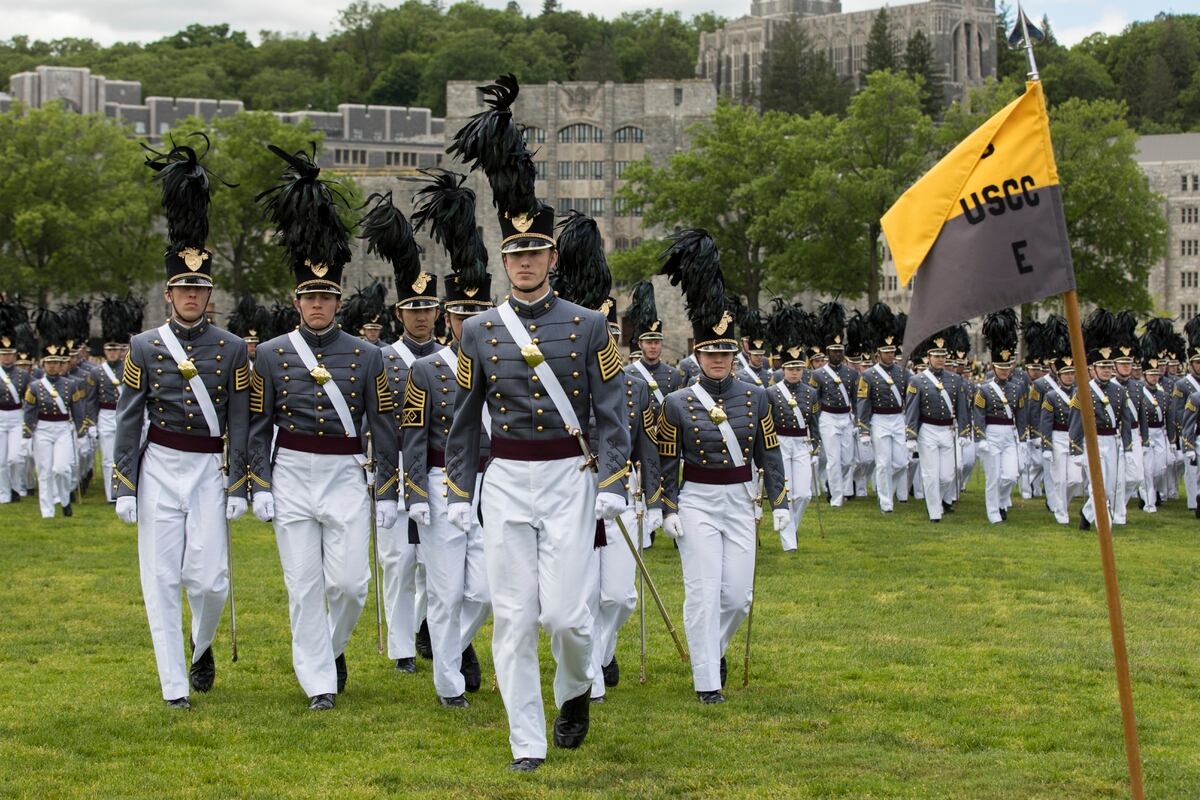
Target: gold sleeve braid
{"points": [[413, 413], [863, 389], [770, 438], [132, 376], [241, 378], [256, 393], [979, 401], [666, 435], [609, 359], [1046, 404], [912, 388], [30, 397], [386, 404], [648, 421], [463, 373]]}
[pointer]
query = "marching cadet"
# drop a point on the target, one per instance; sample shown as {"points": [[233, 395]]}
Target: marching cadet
{"points": [[1112, 426], [324, 389], [881, 390], [77, 319], [1153, 411], [860, 358], [794, 410], [416, 309], [118, 318], [834, 381], [1173, 346], [690, 369], [455, 572], [1051, 417], [752, 358], [999, 414], [718, 428], [541, 365], [936, 412], [192, 379], [1185, 386], [961, 363], [1128, 355], [1189, 433], [252, 322], [13, 382], [1035, 374], [55, 405]]}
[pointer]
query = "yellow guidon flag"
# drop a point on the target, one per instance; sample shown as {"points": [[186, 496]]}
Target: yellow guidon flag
{"points": [[984, 228]]}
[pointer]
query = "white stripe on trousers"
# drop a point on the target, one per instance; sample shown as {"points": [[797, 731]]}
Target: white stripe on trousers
{"points": [[797, 471], [456, 587], [54, 454], [398, 560], [935, 446], [891, 458], [1110, 457], [837, 442], [106, 427], [181, 545], [716, 552], [1000, 470], [322, 529], [613, 595], [1154, 465], [538, 530], [12, 461]]}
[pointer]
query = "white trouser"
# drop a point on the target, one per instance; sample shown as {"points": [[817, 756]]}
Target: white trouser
{"points": [[864, 464], [106, 426], [539, 529], [1000, 469], [1063, 479], [935, 448], [456, 588], [798, 472], [87, 456], [614, 596], [1032, 448], [716, 552], [398, 560], [182, 543], [1191, 482], [322, 528], [54, 453], [967, 456], [915, 479], [1110, 457], [1133, 472], [1154, 467], [837, 442], [12, 454], [891, 458]]}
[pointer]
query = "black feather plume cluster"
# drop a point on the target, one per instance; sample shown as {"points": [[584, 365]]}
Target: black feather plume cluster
{"points": [[831, 320], [582, 275], [787, 326], [284, 318], [882, 322], [25, 341], [247, 316], [52, 329], [1000, 330], [958, 341], [1056, 337], [12, 316], [643, 311], [859, 337], [494, 142], [692, 261], [118, 317], [367, 305], [186, 192], [389, 236], [303, 209], [1100, 329], [1191, 329], [448, 208], [77, 321], [1031, 332]]}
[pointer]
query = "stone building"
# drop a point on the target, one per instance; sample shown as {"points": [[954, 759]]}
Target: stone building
{"points": [[961, 32], [1172, 165]]}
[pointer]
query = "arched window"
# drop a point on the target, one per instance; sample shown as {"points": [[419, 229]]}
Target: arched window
{"points": [[534, 135], [629, 134], [580, 133], [621, 243]]}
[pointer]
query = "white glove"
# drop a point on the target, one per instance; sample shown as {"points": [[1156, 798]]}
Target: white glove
{"points": [[386, 514], [865, 438], [609, 505], [419, 513], [984, 447], [93, 434], [783, 520], [1130, 463], [234, 508], [460, 516], [1048, 456], [264, 506], [911, 444], [672, 528], [654, 519], [963, 442], [127, 509], [25, 445]]}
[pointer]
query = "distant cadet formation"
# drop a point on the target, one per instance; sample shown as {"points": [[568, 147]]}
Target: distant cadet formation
{"points": [[507, 460]]}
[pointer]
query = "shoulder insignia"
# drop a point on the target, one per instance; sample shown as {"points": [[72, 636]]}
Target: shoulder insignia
{"points": [[770, 439], [256, 392], [78, 395], [980, 402], [1074, 401], [132, 376], [912, 388], [1188, 405], [863, 388], [413, 413], [241, 378], [1047, 405], [648, 420], [463, 373], [30, 397], [666, 435], [386, 404], [1034, 394], [609, 359]]}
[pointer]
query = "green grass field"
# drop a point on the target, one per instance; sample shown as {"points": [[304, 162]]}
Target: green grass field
{"points": [[892, 658]]}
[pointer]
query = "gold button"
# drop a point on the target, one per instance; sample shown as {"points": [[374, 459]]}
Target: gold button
{"points": [[504, 428], [534, 378], [322, 421], [537, 395], [575, 374], [538, 411], [574, 355], [540, 428]]}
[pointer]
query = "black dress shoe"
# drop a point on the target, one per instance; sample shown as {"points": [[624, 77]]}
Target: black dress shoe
{"points": [[947, 508], [408, 665], [1141, 504], [67, 512], [1004, 514], [180, 703], [339, 664], [525, 764], [1197, 511], [710, 698], [1084, 525], [424, 646], [939, 519], [472, 675], [612, 673], [600, 699], [724, 671], [16, 498], [203, 672], [454, 702], [320, 702], [571, 726]]}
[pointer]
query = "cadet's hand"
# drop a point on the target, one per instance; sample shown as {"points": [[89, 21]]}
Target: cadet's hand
{"points": [[1077, 461], [1048, 456], [911, 444], [127, 509], [1192, 459], [419, 513], [984, 447], [672, 528], [386, 514], [782, 520], [865, 438], [654, 519], [264, 506], [460, 516], [609, 505], [234, 508]]}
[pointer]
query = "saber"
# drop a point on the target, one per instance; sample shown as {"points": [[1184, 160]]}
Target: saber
{"points": [[640, 511], [369, 466], [816, 500], [229, 561], [662, 609], [753, 585]]}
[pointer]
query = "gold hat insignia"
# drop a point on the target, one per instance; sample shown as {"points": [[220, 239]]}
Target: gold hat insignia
{"points": [[1105, 352], [471, 292], [719, 328], [319, 270], [1005, 355], [1068, 361], [5, 342], [605, 306], [522, 222], [654, 326], [794, 352], [193, 259], [421, 282]]}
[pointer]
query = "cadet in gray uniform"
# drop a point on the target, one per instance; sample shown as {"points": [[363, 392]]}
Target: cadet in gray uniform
{"points": [[13, 381], [54, 408], [690, 369], [718, 427], [1050, 420], [1153, 412], [794, 411], [880, 396], [1114, 434], [193, 380], [998, 416], [119, 318], [834, 382], [935, 414], [324, 389], [752, 358], [1187, 385]]}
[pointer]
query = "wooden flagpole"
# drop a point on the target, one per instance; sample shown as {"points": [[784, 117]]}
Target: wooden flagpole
{"points": [[1112, 592]]}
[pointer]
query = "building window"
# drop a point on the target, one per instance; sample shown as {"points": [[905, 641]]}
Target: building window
{"points": [[1189, 279], [635, 242], [679, 96], [629, 134], [139, 128], [1189, 215], [621, 243], [1189, 310], [540, 166], [564, 170], [580, 133], [564, 205], [564, 135], [890, 283], [534, 135], [1189, 247], [597, 206], [619, 207], [597, 170], [581, 170], [619, 168]]}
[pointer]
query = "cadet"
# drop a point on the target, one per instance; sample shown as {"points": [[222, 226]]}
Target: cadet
{"points": [[55, 405], [752, 358], [1187, 385], [119, 319], [324, 389], [1127, 358], [935, 413], [1112, 426], [881, 390], [1153, 411], [192, 379], [1051, 419], [834, 382], [794, 410], [999, 414], [12, 393]]}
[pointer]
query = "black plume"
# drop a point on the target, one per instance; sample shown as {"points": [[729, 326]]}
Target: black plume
{"points": [[448, 208], [1161, 328], [1000, 330], [1192, 330], [901, 324], [643, 312], [753, 325], [77, 318], [1100, 329], [859, 338], [492, 141], [582, 275], [1126, 329], [304, 212], [12, 316], [114, 320], [786, 327], [1056, 337], [24, 340], [51, 327], [831, 319], [248, 316], [692, 259], [958, 340], [284, 318], [186, 193], [389, 236], [882, 323], [367, 304]]}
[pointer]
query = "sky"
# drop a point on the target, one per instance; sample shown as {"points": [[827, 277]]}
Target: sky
{"points": [[109, 21]]}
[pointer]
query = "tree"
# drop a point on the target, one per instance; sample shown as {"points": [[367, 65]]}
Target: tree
{"points": [[1077, 74], [550, 7], [1009, 61], [883, 48], [359, 27], [77, 208], [797, 79], [920, 63]]}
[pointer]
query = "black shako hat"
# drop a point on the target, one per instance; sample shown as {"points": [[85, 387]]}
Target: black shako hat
{"points": [[693, 263]]}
